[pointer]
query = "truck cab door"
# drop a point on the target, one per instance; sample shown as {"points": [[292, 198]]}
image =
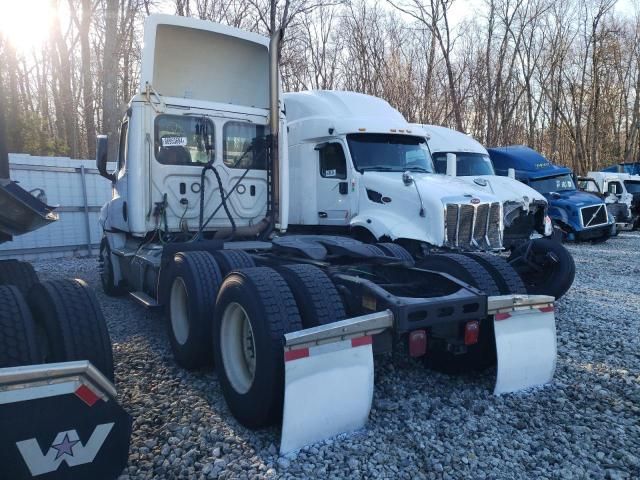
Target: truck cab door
{"points": [[333, 192], [118, 212]]}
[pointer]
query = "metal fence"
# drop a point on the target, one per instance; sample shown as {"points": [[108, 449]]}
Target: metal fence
{"points": [[78, 191]]}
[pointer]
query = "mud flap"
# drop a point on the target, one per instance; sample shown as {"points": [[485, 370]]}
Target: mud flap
{"points": [[329, 380], [61, 421], [526, 348]]}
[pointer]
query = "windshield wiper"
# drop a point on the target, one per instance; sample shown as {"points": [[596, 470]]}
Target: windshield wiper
{"points": [[419, 169], [378, 168]]}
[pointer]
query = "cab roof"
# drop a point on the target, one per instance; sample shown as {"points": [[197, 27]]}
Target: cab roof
{"points": [[442, 139], [526, 161]]}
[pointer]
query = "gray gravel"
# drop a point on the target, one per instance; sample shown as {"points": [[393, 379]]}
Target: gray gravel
{"points": [[423, 424]]}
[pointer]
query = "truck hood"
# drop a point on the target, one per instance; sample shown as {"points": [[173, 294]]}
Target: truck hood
{"points": [[505, 189], [434, 187], [573, 198]]}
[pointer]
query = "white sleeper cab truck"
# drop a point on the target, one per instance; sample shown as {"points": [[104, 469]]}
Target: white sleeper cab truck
{"points": [[544, 264], [198, 225], [59, 414]]}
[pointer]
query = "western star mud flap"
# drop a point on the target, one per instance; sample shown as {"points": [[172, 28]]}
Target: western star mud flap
{"points": [[525, 333], [61, 421], [329, 379]]}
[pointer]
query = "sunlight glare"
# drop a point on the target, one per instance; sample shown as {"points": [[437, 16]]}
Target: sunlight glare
{"points": [[26, 23]]}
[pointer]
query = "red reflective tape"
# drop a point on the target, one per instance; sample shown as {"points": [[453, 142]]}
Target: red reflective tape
{"points": [[358, 342], [501, 316], [296, 354], [550, 308], [87, 395]]}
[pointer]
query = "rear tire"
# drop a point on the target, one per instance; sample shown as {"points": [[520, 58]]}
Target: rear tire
{"points": [[554, 277], [254, 309], [19, 274], [316, 296], [70, 316], [194, 283], [397, 251], [464, 268], [506, 278], [18, 343], [229, 260]]}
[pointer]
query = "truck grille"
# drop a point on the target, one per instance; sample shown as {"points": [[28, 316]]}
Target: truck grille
{"points": [[594, 216], [473, 226]]}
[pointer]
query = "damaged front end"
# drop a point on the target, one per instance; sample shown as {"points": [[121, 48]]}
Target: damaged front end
{"points": [[524, 220]]}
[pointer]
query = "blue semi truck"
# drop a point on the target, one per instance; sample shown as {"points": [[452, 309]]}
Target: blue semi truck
{"points": [[576, 215]]}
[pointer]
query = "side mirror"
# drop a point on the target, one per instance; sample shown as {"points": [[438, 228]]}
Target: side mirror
{"points": [[511, 173], [452, 164], [102, 149]]}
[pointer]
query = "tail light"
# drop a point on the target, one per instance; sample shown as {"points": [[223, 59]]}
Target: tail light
{"points": [[418, 343], [471, 332]]}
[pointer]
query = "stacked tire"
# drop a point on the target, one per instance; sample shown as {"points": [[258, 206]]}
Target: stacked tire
{"points": [[49, 322], [237, 315]]}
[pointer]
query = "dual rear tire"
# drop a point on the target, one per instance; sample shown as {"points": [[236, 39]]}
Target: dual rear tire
{"points": [[59, 321], [240, 323]]}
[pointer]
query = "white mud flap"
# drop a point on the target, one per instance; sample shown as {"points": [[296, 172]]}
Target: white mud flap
{"points": [[525, 344], [329, 380]]}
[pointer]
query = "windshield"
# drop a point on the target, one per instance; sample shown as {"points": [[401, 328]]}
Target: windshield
{"points": [[388, 152], [633, 186], [561, 183], [588, 185], [467, 163]]}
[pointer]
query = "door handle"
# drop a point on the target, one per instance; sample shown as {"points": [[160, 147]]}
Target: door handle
{"points": [[343, 188], [322, 214]]}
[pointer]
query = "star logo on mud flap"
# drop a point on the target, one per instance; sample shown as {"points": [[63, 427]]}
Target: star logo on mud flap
{"points": [[65, 447]]}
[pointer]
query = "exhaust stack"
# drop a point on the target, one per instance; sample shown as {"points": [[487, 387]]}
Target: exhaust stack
{"points": [[274, 123]]}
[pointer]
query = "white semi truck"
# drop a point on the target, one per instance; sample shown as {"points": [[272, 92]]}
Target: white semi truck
{"points": [[544, 264], [621, 194], [198, 225]]}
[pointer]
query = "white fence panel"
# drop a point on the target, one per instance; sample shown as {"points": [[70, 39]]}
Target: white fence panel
{"points": [[78, 230]]}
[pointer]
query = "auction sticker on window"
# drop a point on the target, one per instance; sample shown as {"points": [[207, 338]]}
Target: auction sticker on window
{"points": [[174, 141]]}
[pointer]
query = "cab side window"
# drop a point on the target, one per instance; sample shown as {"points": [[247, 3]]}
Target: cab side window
{"points": [[122, 150], [615, 188], [333, 163]]}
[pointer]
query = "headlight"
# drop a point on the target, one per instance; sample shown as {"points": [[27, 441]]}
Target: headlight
{"points": [[548, 226]]}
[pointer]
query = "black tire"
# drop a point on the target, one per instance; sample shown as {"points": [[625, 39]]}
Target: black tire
{"points": [[397, 251], [271, 310], [193, 286], [316, 296], [229, 260], [374, 251], [70, 317], [106, 272], [19, 274], [464, 268], [553, 276], [506, 278], [18, 343]]}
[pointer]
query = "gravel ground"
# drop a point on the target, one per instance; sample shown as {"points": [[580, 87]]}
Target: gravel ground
{"points": [[423, 424]]}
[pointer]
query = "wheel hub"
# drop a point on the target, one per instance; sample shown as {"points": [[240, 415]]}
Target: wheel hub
{"points": [[238, 349]]}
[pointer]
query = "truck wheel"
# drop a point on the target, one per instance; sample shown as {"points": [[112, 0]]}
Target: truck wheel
{"points": [[254, 309], [106, 272], [229, 260], [506, 278], [18, 344], [195, 279], [20, 274], [316, 296], [68, 313], [396, 251], [546, 267], [464, 268]]}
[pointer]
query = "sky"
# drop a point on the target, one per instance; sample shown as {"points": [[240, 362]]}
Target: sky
{"points": [[26, 22]]}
